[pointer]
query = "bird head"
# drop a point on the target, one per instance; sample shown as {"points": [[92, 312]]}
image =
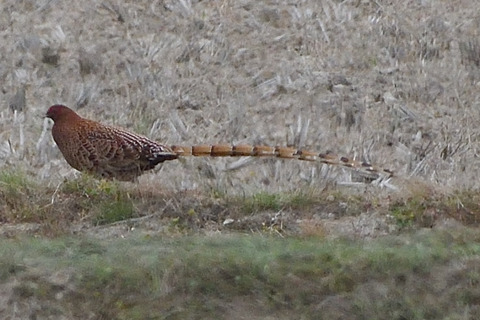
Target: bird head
{"points": [[59, 112]]}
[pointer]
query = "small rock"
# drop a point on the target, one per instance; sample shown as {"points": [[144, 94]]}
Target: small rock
{"points": [[228, 221]]}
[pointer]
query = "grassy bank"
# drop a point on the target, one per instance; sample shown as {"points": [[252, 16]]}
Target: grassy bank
{"points": [[426, 275], [391, 83], [86, 203]]}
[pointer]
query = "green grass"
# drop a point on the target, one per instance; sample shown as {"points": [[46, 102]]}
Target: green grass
{"points": [[106, 200], [420, 208], [144, 277], [21, 197], [90, 187], [121, 209], [303, 199], [263, 201], [406, 212]]}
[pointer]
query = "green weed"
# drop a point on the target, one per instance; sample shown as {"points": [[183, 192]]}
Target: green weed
{"points": [[119, 209]]}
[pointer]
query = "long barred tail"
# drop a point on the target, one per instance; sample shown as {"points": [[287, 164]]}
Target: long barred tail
{"points": [[225, 150]]}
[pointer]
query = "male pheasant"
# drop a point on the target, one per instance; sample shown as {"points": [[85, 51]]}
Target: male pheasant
{"points": [[114, 153], [104, 151]]}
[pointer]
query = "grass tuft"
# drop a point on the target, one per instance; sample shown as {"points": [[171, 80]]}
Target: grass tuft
{"points": [[21, 199], [106, 199], [261, 202], [120, 209]]}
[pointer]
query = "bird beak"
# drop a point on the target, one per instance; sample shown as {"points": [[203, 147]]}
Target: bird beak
{"points": [[41, 115]]}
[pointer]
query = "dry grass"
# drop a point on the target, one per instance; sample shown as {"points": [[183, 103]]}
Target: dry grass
{"points": [[392, 83]]}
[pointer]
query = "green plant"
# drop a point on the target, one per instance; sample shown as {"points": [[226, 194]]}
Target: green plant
{"points": [[261, 202], [109, 212]]}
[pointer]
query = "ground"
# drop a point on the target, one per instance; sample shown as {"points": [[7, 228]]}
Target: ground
{"points": [[390, 83]]}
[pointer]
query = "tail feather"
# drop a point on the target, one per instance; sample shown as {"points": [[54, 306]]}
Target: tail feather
{"points": [[243, 150]]}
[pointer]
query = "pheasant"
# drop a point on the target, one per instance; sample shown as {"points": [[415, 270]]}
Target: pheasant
{"points": [[114, 153]]}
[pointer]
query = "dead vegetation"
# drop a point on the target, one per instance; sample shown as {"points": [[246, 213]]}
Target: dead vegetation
{"points": [[391, 83]]}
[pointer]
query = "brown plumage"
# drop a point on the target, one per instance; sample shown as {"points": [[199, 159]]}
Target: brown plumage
{"points": [[110, 152], [104, 151]]}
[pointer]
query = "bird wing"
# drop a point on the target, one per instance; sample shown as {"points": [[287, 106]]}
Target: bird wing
{"points": [[111, 148], [116, 151]]}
